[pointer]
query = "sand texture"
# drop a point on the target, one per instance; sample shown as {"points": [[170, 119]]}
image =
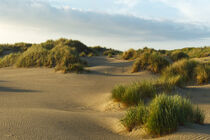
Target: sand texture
{"points": [[40, 104]]}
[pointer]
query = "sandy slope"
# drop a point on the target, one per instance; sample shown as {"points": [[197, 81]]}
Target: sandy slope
{"points": [[41, 104]]}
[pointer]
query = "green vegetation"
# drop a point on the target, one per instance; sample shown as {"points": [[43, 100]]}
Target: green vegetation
{"points": [[188, 70], [130, 54], [134, 93], [153, 62], [9, 60], [176, 55], [62, 54], [195, 52], [163, 115]]}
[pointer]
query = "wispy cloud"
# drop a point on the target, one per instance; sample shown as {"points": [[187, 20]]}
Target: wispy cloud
{"points": [[45, 17]]}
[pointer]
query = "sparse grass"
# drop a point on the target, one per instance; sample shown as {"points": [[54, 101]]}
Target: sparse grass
{"points": [[163, 115], [153, 62]]}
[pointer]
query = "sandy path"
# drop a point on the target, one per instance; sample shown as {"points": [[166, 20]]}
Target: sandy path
{"points": [[41, 104]]}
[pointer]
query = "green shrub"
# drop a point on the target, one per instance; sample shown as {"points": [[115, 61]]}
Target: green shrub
{"points": [[188, 70], [166, 113], [62, 58], [133, 93], [175, 56], [65, 59], [9, 60], [202, 73], [152, 62], [130, 54], [33, 57], [135, 117], [184, 68], [163, 115]]}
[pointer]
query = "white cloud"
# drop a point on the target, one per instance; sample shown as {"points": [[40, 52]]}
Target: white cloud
{"points": [[196, 11], [129, 3], [37, 20]]}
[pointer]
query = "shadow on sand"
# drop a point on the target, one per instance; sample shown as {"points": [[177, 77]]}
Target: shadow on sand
{"points": [[9, 89]]}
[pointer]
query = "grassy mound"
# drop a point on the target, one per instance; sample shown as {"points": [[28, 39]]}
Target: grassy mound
{"points": [[33, 57], [175, 56], [188, 70], [134, 93], [130, 54], [9, 60], [163, 115], [153, 62], [137, 92]]}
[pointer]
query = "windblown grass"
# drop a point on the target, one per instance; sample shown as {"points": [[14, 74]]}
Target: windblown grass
{"points": [[163, 115], [9, 60], [153, 62], [134, 93], [188, 70], [130, 54], [176, 55], [33, 57]]}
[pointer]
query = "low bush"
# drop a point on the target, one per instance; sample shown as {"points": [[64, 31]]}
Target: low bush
{"points": [[9, 60], [188, 70], [64, 59], [135, 116], [35, 56], [130, 54], [153, 62], [202, 73], [175, 56], [134, 93], [163, 115]]}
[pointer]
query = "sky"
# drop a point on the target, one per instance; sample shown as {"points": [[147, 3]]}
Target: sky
{"points": [[118, 24]]}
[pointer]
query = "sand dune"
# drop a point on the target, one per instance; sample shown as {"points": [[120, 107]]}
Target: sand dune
{"points": [[41, 104]]}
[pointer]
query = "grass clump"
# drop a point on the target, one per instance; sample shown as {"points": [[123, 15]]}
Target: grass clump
{"points": [[175, 56], [153, 62], [9, 60], [64, 59], [163, 115], [35, 56], [202, 73], [130, 54], [188, 71], [134, 93], [135, 116]]}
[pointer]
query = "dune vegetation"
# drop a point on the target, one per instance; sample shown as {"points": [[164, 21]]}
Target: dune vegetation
{"points": [[163, 115], [62, 54], [153, 104]]}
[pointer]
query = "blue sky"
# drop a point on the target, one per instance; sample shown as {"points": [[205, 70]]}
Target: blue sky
{"points": [[119, 24]]}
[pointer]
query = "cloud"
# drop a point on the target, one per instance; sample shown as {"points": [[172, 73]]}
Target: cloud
{"points": [[190, 10], [44, 17], [129, 3]]}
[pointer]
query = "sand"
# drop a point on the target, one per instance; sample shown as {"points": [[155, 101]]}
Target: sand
{"points": [[38, 103]]}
